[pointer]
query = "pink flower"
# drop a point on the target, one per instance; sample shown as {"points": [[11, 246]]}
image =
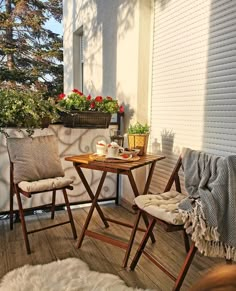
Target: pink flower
{"points": [[77, 92], [122, 109], [89, 97], [61, 96], [98, 99]]}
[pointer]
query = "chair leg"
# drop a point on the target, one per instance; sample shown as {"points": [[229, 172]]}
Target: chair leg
{"points": [[131, 240], [186, 241], [143, 244], [53, 204], [23, 224], [69, 213], [184, 269], [11, 206]]}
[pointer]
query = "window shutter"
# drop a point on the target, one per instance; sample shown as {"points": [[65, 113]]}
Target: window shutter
{"points": [[193, 79]]}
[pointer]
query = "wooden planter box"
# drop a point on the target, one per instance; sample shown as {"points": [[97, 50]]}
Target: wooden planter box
{"points": [[86, 119]]}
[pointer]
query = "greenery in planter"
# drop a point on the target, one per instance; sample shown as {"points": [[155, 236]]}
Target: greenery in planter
{"points": [[80, 102], [139, 128], [24, 108], [138, 137]]}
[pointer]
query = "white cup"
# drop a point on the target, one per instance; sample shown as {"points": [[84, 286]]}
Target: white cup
{"points": [[101, 150], [113, 150]]}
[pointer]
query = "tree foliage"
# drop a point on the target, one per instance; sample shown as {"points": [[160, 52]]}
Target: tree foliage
{"points": [[30, 53]]}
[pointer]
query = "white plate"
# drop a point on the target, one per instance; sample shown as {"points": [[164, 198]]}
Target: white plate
{"points": [[119, 157]]}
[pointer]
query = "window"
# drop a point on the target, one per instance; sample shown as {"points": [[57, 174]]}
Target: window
{"points": [[78, 53]]}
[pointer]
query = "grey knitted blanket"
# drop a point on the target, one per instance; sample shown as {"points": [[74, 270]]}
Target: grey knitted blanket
{"points": [[210, 209]]}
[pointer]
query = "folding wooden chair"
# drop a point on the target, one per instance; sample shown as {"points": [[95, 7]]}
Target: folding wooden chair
{"points": [[163, 209], [35, 167]]}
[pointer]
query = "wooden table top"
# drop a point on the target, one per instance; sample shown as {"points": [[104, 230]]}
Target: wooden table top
{"points": [[85, 161]]}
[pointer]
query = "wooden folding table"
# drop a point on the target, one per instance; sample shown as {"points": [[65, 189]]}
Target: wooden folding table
{"points": [[124, 168]]}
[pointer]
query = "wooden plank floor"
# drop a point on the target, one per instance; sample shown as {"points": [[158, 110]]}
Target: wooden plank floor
{"points": [[57, 243]]}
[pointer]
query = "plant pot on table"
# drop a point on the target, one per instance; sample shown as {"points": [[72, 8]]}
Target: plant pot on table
{"points": [[138, 141]]}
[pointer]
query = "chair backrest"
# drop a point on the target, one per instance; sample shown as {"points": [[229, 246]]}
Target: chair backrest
{"points": [[34, 158], [174, 177]]}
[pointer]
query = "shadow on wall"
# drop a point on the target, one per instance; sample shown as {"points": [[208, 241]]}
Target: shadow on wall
{"points": [[166, 146], [107, 21], [164, 3], [167, 141], [219, 134]]}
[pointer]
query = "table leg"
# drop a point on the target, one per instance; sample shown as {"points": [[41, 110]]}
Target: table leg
{"points": [[94, 204], [131, 240], [136, 193], [117, 188], [149, 178], [91, 195]]}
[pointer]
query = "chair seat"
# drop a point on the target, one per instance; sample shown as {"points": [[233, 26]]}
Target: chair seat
{"points": [[163, 206], [45, 184]]}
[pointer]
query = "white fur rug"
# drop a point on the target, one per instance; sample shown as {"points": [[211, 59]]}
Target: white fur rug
{"points": [[70, 274]]}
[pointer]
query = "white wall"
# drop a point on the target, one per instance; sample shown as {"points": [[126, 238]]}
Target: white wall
{"points": [[116, 53], [116, 50]]}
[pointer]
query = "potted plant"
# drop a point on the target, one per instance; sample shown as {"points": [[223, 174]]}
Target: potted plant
{"points": [[24, 108], [79, 110], [138, 135]]}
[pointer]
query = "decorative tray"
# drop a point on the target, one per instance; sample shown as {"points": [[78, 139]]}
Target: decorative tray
{"points": [[119, 159]]}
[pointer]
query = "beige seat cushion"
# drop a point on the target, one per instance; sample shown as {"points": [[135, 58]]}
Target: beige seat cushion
{"points": [[34, 158], [45, 184], [163, 206]]}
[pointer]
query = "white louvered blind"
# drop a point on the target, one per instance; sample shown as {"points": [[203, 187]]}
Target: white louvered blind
{"points": [[193, 79]]}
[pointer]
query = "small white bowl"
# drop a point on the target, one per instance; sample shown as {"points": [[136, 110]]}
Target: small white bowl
{"points": [[133, 152]]}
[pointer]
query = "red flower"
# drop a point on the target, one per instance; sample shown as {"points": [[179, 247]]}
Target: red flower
{"points": [[122, 109], [92, 105], [77, 92], [109, 98], [61, 96], [89, 97], [98, 99]]}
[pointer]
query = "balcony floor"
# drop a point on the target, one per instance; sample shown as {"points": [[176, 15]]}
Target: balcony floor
{"points": [[57, 243]]}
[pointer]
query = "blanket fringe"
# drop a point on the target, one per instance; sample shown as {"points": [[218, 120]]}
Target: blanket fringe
{"points": [[206, 238]]}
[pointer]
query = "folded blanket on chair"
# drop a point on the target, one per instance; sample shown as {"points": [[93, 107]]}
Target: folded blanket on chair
{"points": [[210, 209]]}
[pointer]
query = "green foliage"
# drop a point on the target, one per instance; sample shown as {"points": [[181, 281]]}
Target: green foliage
{"points": [[78, 101], [74, 102], [107, 105], [138, 128], [25, 109], [31, 54]]}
